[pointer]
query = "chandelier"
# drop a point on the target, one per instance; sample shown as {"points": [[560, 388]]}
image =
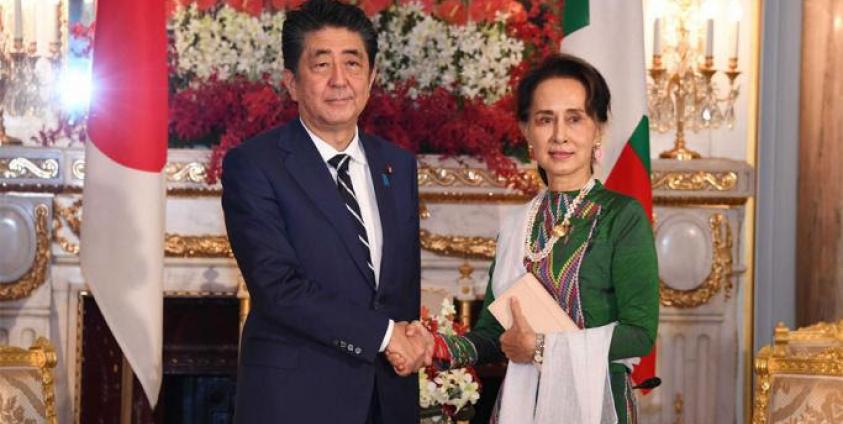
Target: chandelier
{"points": [[683, 94]]}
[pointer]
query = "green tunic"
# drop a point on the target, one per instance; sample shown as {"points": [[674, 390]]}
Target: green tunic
{"points": [[618, 280]]}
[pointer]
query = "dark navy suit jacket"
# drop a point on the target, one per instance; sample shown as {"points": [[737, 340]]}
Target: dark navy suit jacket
{"points": [[309, 349]]}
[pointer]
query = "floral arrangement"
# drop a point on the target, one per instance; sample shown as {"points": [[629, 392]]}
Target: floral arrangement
{"points": [[472, 60], [224, 43], [446, 72], [451, 390]]}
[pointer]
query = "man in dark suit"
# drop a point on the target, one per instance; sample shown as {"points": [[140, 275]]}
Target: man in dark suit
{"points": [[323, 221]]}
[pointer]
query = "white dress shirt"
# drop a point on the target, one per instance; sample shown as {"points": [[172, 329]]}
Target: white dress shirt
{"points": [[364, 190]]}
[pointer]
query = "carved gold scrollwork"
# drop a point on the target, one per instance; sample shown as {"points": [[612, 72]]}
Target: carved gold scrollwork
{"points": [[779, 359], [461, 246], [40, 355], [78, 169], [694, 181], [718, 278], [471, 177], [37, 273], [185, 172], [29, 168], [449, 177], [203, 246], [72, 216]]}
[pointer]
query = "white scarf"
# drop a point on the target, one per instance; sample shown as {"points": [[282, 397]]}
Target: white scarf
{"points": [[573, 383]]}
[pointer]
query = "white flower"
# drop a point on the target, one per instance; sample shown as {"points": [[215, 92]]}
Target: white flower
{"points": [[226, 42]]}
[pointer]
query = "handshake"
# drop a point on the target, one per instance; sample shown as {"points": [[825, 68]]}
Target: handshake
{"points": [[409, 348]]}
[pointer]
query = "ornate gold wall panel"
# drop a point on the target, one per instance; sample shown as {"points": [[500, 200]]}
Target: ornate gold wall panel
{"points": [[41, 356], [185, 172], [785, 357], [201, 246], [718, 278], [694, 181], [460, 246], [72, 216], [37, 274], [20, 168]]}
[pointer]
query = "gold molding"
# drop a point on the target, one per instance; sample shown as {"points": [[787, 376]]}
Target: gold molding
{"points": [[694, 181], [40, 355], [218, 246], [37, 273], [77, 168], [460, 246], [72, 216], [462, 197], [26, 168], [77, 375], [201, 246], [779, 359], [185, 172], [699, 201], [471, 177], [718, 278]]}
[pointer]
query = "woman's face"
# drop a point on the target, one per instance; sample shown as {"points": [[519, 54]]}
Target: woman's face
{"points": [[561, 133]]}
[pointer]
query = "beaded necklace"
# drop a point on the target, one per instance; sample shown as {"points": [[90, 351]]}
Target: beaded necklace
{"points": [[559, 230]]}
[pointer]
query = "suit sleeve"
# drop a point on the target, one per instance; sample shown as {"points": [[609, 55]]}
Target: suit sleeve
{"points": [[273, 274]]}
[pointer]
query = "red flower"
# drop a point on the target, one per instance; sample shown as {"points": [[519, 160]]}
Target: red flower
{"points": [[373, 7], [203, 5], [252, 7], [484, 10], [453, 12], [427, 5]]}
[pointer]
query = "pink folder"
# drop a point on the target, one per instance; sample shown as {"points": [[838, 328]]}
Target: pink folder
{"points": [[537, 305]]}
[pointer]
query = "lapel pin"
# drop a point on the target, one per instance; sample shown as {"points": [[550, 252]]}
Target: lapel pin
{"points": [[387, 171]]}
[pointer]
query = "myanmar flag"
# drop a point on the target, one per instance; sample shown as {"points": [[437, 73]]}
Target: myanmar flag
{"points": [[609, 34]]}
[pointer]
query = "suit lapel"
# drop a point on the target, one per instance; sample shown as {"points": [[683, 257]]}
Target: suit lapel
{"points": [[308, 169], [386, 204]]}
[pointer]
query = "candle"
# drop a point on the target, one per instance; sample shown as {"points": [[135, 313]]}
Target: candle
{"points": [[51, 19], [736, 30], [18, 19], [709, 37], [657, 36]]}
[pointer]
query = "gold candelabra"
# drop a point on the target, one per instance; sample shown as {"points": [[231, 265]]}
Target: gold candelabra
{"points": [[682, 90]]}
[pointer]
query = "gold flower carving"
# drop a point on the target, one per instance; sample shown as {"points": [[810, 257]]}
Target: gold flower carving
{"points": [[14, 168], [460, 246], [718, 278], [201, 246], [40, 355], [694, 181], [781, 359], [37, 273], [71, 216]]}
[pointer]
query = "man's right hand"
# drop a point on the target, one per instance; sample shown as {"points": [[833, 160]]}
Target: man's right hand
{"points": [[409, 348]]}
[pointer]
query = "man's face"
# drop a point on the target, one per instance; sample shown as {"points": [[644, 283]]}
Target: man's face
{"points": [[333, 80]]}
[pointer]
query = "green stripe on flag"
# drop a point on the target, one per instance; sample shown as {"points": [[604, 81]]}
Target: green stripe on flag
{"points": [[640, 141], [574, 15]]}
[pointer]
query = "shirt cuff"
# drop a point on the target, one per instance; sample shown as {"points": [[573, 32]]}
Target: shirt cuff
{"points": [[387, 336]]}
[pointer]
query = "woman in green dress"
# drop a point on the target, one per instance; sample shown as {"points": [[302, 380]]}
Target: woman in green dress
{"points": [[591, 248]]}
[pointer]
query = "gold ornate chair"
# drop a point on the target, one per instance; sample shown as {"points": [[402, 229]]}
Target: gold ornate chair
{"points": [[799, 379], [27, 394]]}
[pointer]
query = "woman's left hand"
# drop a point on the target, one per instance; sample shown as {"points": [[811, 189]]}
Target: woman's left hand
{"points": [[519, 342]]}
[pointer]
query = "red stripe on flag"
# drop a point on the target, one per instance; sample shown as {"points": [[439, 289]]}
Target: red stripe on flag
{"points": [[128, 116], [630, 177]]}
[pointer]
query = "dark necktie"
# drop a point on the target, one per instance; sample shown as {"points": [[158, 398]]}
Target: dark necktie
{"points": [[340, 163]]}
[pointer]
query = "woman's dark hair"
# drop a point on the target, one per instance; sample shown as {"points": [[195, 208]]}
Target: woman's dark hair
{"points": [[597, 96], [315, 15]]}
